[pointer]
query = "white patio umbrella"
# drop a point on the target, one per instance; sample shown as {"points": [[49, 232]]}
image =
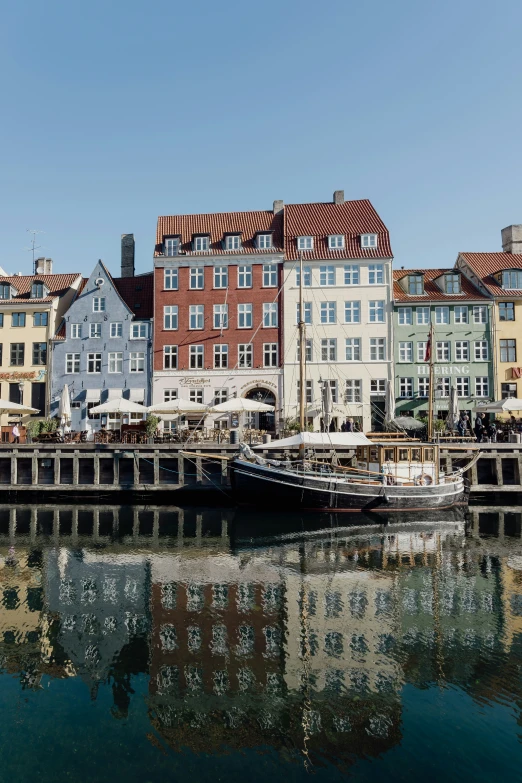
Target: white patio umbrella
{"points": [[501, 406], [389, 405], [119, 405], [64, 408], [453, 411], [327, 405], [241, 404], [177, 406], [14, 407]]}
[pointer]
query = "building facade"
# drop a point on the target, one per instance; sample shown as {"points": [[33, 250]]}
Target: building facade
{"points": [[103, 347], [347, 303], [499, 277], [31, 307], [217, 310], [461, 319]]}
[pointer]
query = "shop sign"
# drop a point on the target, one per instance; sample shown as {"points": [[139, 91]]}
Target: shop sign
{"points": [[443, 369], [261, 382], [30, 375], [516, 372], [194, 381]]}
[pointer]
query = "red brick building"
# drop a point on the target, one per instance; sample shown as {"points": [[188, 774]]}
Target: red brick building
{"points": [[217, 309]]}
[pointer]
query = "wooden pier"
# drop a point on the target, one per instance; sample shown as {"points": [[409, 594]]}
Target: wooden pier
{"points": [[41, 472]]}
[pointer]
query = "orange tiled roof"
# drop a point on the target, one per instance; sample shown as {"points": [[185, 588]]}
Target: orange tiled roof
{"points": [[217, 224], [351, 218], [57, 285], [432, 291], [487, 264]]}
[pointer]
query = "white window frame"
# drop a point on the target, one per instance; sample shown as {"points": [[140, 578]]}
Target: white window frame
{"points": [[405, 316], [72, 360], [377, 387], [95, 331], [98, 304], [269, 275], [244, 315], [481, 386], [170, 317], [326, 275], [233, 242], [352, 312], [421, 350], [307, 312], [171, 246], [463, 387], [462, 353], [442, 314], [307, 276], [116, 329], [142, 328], [244, 276], [169, 395], [196, 317], [329, 349], [352, 274], [481, 350], [197, 278], [406, 351], [221, 277], [458, 312], [170, 279], [377, 349], [264, 241], [197, 357], [375, 274], [353, 391], [115, 361], [220, 316], [137, 361], [352, 349], [270, 353], [452, 280], [94, 358], [245, 355], [202, 244], [369, 240], [308, 350], [423, 387], [480, 314], [170, 360], [220, 350], [335, 241], [376, 313], [443, 351], [328, 312], [420, 316], [305, 243], [76, 331], [406, 388], [270, 315]]}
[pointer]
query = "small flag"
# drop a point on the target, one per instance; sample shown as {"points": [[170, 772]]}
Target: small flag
{"points": [[427, 355]]}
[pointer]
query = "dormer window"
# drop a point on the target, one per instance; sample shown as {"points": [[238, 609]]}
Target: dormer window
{"points": [[264, 241], [171, 246], [512, 279], [233, 242], [201, 243], [335, 241], [5, 291], [452, 283], [415, 285], [368, 240], [305, 243], [38, 290]]}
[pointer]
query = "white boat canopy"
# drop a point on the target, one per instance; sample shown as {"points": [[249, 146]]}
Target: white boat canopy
{"points": [[500, 406], [347, 440]]}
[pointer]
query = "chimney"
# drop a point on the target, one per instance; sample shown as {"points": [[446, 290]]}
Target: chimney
{"points": [[127, 255], [278, 207], [43, 266], [512, 239], [338, 197]]}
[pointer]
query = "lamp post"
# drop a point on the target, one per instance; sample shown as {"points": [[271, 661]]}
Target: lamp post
{"points": [[21, 390]]}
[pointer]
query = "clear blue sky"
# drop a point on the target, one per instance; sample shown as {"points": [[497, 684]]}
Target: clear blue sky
{"points": [[116, 112]]}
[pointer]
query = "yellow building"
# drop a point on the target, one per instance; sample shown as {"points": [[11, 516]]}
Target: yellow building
{"points": [[31, 309], [499, 276]]}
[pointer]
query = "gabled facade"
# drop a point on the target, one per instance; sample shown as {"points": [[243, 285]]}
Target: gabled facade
{"points": [[31, 308], [103, 347], [462, 355], [217, 309], [347, 282], [499, 277]]}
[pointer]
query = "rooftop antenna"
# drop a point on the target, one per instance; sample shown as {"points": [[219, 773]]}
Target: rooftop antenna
{"points": [[34, 246]]}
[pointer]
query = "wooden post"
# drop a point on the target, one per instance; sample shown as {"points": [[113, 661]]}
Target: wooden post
{"points": [[74, 531], [56, 526], [34, 467], [199, 470], [96, 524], [156, 468], [501, 523], [96, 469], [155, 529], [76, 468], [181, 471], [12, 526], [136, 523], [136, 469], [498, 470], [14, 467], [181, 525], [116, 468], [224, 471], [199, 528], [57, 466], [474, 475], [34, 525]]}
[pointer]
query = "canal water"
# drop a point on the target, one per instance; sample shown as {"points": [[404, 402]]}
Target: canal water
{"points": [[153, 644]]}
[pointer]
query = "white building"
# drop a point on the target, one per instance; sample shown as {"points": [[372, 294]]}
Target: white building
{"points": [[347, 303]]}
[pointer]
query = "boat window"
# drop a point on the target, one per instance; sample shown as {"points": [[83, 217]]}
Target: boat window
{"points": [[416, 455], [404, 455], [374, 454], [388, 455], [364, 454], [429, 455]]}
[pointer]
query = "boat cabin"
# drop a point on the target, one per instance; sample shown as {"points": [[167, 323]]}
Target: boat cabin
{"points": [[413, 464]]}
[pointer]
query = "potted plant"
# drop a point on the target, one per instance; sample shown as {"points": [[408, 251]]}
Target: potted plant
{"points": [[33, 429], [151, 426]]}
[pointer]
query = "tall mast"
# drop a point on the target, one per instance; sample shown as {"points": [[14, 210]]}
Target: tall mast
{"points": [[431, 387], [302, 350]]}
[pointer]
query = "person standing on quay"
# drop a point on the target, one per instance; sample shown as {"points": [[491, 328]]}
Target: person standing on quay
{"points": [[16, 433], [479, 427]]}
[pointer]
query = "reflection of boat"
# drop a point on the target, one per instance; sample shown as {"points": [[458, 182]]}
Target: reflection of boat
{"points": [[257, 528]]}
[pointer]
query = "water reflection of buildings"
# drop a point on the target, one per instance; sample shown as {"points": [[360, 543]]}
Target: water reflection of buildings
{"points": [[303, 646]]}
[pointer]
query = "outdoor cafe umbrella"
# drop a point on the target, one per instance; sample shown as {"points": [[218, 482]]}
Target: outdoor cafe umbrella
{"points": [[241, 405], [501, 406], [64, 408], [119, 405], [389, 405], [14, 407], [176, 407]]}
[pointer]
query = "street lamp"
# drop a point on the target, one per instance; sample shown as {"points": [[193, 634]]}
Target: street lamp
{"points": [[21, 390]]}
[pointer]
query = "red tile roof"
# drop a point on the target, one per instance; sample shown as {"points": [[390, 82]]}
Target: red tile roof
{"points": [[57, 285], [217, 224], [432, 290], [137, 293], [351, 218], [487, 264]]}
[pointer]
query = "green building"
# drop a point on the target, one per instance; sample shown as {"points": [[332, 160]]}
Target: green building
{"points": [[462, 348]]}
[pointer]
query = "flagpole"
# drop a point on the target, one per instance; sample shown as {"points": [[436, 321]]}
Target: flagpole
{"points": [[431, 387]]}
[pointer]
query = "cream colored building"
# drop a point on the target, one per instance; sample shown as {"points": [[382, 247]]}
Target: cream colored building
{"points": [[347, 310], [31, 309]]}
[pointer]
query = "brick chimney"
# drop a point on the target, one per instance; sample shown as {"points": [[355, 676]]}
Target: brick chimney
{"points": [[338, 197], [43, 266], [127, 255], [512, 239], [278, 207]]}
